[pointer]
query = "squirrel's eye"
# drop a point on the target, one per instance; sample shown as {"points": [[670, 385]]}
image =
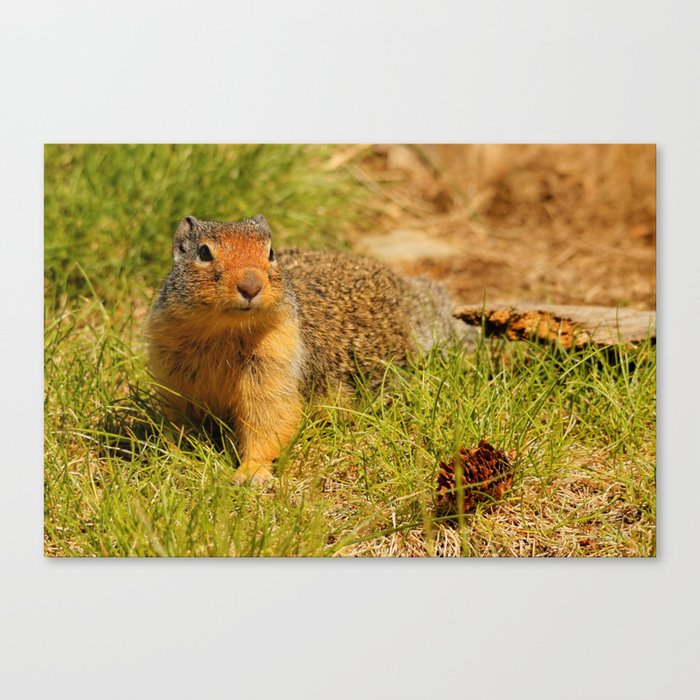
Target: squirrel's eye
{"points": [[272, 255], [182, 248], [204, 253]]}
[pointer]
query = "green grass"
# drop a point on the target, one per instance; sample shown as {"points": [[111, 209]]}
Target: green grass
{"points": [[360, 479]]}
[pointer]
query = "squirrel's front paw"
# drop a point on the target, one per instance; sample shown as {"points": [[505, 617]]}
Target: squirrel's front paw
{"points": [[252, 473]]}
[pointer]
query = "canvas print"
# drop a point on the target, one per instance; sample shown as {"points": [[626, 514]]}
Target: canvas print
{"points": [[352, 350]]}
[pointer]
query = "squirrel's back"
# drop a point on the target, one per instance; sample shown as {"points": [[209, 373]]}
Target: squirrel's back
{"points": [[354, 311]]}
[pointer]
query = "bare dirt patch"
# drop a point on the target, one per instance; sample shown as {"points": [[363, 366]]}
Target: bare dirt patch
{"points": [[559, 224]]}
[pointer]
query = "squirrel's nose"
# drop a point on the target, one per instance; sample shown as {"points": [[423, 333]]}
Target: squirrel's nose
{"points": [[249, 287]]}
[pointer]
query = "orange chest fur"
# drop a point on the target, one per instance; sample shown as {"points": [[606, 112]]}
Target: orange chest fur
{"points": [[230, 370]]}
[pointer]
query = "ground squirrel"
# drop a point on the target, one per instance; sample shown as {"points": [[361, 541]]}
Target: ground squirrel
{"points": [[250, 333]]}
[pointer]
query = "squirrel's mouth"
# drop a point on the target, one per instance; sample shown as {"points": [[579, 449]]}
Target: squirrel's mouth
{"points": [[236, 309]]}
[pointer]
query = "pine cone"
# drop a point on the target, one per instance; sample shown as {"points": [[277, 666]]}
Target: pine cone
{"points": [[486, 474]]}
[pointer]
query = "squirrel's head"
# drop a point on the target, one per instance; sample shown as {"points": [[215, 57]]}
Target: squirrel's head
{"points": [[223, 272]]}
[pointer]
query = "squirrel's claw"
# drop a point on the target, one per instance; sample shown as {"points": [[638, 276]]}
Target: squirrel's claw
{"points": [[253, 474]]}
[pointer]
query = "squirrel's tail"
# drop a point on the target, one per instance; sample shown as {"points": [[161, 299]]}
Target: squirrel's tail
{"points": [[434, 321]]}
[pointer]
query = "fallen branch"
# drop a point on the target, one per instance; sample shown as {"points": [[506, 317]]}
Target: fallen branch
{"points": [[570, 326]]}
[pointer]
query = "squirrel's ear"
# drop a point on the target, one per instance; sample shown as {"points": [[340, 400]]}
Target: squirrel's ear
{"points": [[182, 236], [261, 223], [185, 226]]}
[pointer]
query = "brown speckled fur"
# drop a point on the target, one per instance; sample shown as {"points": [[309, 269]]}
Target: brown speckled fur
{"points": [[317, 318], [355, 310]]}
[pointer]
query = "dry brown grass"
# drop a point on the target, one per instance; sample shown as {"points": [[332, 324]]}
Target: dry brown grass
{"points": [[580, 511]]}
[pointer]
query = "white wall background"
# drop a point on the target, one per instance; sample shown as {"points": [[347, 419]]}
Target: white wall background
{"points": [[314, 70]]}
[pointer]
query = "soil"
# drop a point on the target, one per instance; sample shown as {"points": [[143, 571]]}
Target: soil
{"points": [[558, 224]]}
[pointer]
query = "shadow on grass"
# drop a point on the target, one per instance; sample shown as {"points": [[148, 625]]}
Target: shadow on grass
{"points": [[133, 427]]}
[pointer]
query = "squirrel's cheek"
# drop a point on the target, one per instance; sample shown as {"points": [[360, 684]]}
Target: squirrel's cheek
{"points": [[206, 296]]}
